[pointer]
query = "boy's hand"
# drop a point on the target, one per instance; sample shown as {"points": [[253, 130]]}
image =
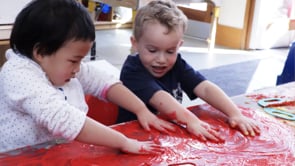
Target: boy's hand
{"points": [[203, 131], [142, 147], [247, 126], [148, 119]]}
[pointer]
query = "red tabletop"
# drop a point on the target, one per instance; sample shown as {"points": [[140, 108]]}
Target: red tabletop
{"points": [[274, 146]]}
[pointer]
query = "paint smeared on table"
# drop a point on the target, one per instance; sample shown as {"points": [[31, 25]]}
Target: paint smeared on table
{"points": [[274, 146]]}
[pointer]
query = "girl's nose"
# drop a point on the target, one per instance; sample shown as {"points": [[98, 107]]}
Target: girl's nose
{"points": [[76, 69]]}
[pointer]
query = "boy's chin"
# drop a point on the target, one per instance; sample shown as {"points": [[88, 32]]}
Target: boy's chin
{"points": [[158, 75]]}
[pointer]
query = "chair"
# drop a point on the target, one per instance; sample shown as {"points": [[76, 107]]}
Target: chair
{"points": [[288, 73], [101, 111]]}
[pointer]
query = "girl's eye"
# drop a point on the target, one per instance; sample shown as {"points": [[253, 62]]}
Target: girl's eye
{"points": [[73, 61], [170, 51]]}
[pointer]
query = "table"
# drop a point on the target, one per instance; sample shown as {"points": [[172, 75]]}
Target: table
{"points": [[285, 91], [275, 145]]}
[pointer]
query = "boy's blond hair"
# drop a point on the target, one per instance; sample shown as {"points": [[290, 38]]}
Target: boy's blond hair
{"points": [[163, 11]]}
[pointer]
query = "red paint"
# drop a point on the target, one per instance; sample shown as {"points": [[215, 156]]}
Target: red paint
{"points": [[288, 100], [285, 103], [274, 146], [258, 96], [172, 115]]}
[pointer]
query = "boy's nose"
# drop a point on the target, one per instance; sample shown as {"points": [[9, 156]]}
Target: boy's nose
{"points": [[161, 57]]}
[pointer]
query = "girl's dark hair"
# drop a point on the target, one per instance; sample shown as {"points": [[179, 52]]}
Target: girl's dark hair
{"points": [[46, 25]]}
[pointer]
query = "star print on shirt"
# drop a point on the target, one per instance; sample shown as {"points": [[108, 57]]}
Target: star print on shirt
{"points": [[177, 93]]}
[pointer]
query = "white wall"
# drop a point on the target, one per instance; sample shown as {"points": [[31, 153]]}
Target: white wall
{"points": [[9, 10], [231, 13]]}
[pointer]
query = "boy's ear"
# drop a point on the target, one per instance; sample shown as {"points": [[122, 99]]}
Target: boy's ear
{"points": [[180, 43], [132, 39], [133, 44]]}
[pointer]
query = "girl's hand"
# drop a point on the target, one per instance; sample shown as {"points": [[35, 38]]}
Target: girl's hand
{"points": [[148, 119], [246, 125], [203, 131], [142, 147]]}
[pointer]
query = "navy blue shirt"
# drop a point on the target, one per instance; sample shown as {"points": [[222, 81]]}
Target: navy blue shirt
{"points": [[182, 77]]}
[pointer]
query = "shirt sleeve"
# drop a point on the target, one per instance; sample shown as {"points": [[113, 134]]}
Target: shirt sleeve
{"points": [[189, 77], [96, 78]]}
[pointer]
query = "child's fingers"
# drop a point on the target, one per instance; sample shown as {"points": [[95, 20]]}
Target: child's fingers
{"points": [[212, 133], [247, 127], [256, 129], [164, 126], [244, 129], [150, 147], [160, 125], [207, 134], [145, 126], [232, 123], [142, 147], [157, 149], [216, 135], [213, 136], [252, 129]]}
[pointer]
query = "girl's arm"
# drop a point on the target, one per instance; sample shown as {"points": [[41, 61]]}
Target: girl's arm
{"points": [[97, 134]]}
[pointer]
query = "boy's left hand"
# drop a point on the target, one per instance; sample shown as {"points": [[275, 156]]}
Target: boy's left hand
{"points": [[246, 125]]}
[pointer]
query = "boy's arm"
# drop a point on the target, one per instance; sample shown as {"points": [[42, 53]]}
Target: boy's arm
{"points": [[173, 110], [215, 96], [123, 97]]}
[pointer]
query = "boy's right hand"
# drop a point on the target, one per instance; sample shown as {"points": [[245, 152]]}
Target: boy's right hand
{"points": [[203, 131], [148, 119], [142, 147]]}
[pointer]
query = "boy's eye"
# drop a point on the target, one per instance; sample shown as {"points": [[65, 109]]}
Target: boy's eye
{"points": [[152, 50], [170, 51]]}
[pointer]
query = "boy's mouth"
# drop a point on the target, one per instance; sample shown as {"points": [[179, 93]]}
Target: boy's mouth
{"points": [[158, 69]]}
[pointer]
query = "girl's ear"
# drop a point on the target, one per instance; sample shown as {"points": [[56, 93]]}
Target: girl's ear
{"points": [[133, 45], [36, 56]]}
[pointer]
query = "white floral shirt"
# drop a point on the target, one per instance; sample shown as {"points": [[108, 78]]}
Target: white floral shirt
{"points": [[33, 111]]}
